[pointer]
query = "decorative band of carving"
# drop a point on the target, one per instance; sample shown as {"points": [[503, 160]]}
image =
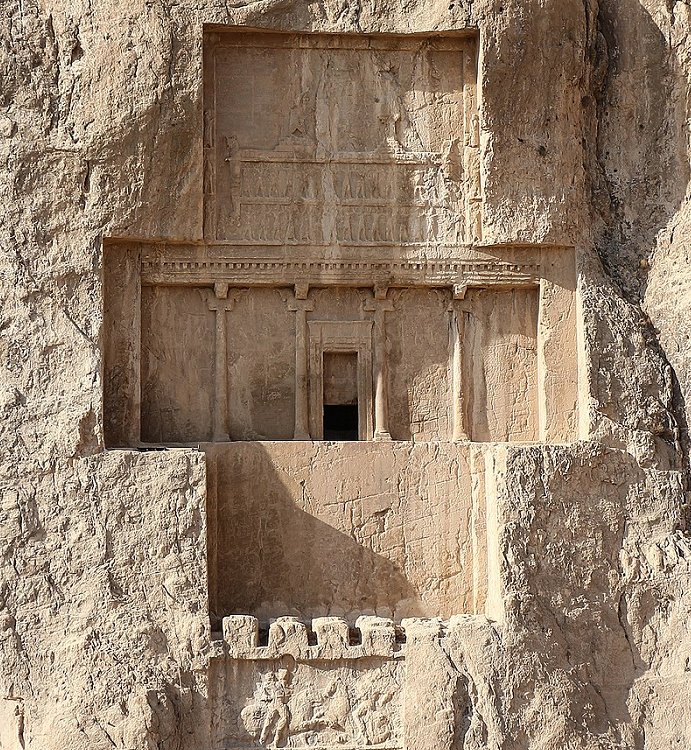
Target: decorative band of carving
{"points": [[350, 269], [419, 158]]}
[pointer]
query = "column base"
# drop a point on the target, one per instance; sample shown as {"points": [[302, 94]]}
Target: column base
{"points": [[381, 435]]}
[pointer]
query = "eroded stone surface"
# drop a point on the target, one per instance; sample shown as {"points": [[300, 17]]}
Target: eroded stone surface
{"points": [[348, 528], [579, 142]]}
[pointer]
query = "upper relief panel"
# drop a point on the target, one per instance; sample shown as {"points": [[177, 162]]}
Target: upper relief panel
{"points": [[337, 141]]}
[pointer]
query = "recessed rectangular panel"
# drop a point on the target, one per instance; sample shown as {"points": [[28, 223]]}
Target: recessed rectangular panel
{"points": [[199, 345], [419, 373], [336, 140], [177, 365], [261, 366], [340, 378], [500, 364]]}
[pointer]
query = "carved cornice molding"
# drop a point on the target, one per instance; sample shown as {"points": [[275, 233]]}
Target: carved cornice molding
{"points": [[461, 266]]}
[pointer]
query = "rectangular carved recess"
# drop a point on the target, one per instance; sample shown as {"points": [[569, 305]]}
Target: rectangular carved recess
{"points": [[348, 220], [481, 349], [341, 141], [341, 265]]}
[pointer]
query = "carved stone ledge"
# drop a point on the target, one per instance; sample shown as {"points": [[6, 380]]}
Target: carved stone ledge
{"points": [[333, 638], [461, 266], [288, 636]]}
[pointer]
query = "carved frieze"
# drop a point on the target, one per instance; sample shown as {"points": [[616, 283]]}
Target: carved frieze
{"points": [[376, 143], [330, 694], [462, 266]]}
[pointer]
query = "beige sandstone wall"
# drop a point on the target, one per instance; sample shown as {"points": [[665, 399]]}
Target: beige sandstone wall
{"points": [[347, 529], [103, 612]]}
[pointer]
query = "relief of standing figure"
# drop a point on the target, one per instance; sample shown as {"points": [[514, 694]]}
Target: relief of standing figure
{"points": [[267, 718]]}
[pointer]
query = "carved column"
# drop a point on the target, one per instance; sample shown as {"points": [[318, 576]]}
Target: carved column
{"points": [[457, 309], [300, 305], [380, 305], [221, 304]]}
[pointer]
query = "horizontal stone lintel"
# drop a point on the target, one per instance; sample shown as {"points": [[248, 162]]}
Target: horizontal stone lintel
{"points": [[204, 264], [231, 37], [323, 747]]}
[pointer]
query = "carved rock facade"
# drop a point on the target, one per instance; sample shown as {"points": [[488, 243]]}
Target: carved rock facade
{"points": [[334, 413]]}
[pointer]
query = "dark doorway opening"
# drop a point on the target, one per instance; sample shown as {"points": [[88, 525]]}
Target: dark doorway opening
{"points": [[341, 422], [340, 396]]}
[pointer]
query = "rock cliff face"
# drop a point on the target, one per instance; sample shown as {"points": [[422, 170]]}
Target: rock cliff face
{"points": [[578, 636]]}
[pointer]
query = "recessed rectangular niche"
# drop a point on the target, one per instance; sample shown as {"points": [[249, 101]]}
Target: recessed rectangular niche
{"points": [[341, 422], [201, 346], [346, 528], [340, 367], [177, 365]]}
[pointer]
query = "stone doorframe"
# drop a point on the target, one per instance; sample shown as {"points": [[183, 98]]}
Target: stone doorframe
{"points": [[340, 336]]}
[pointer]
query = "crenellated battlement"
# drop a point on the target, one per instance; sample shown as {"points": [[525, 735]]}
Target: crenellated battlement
{"points": [[328, 638]]}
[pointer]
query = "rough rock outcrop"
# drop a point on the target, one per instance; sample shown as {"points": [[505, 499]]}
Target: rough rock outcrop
{"points": [[107, 635]]}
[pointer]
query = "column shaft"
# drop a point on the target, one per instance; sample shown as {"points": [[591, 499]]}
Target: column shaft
{"points": [[300, 305], [460, 431], [221, 305], [380, 306]]}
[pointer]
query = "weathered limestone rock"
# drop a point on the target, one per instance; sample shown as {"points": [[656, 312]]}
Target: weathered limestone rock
{"points": [[345, 375]]}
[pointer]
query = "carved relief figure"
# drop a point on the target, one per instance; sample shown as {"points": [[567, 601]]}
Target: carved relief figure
{"points": [[370, 711], [338, 707], [389, 110], [267, 717]]}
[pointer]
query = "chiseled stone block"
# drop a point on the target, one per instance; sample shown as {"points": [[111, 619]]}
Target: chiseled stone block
{"points": [[333, 637], [288, 635], [241, 634], [378, 635]]}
